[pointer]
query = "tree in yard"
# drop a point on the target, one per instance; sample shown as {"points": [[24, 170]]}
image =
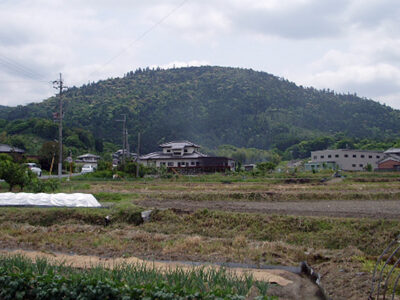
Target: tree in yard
{"points": [[14, 174], [46, 154], [265, 167]]}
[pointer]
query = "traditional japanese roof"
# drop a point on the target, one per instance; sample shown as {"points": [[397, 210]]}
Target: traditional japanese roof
{"points": [[161, 155], [87, 155], [179, 145], [392, 151], [9, 149], [388, 157]]}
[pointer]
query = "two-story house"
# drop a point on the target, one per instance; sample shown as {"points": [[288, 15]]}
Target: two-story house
{"points": [[185, 156]]}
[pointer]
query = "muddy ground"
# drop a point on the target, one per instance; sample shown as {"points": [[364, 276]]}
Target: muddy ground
{"points": [[387, 209]]}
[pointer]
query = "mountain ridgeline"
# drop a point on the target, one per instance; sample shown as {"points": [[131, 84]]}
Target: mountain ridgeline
{"points": [[213, 106]]}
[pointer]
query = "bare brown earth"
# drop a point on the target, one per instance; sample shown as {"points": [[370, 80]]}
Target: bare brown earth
{"points": [[387, 209]]}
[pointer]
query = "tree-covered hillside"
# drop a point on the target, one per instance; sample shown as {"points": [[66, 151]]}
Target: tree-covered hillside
{"points": [[213, 106]]}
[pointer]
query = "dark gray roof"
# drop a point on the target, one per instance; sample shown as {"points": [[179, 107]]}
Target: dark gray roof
{"points": [[394, 157], [161, 155], [393, 151], [9, 149], [88, 155], [179, 144]]}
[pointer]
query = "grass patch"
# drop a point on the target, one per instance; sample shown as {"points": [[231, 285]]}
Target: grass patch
{"points": [[115, 197], [369, 265], [48, 216], [317, 232]]}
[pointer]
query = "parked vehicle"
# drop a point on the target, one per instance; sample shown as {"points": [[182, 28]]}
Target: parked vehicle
{"points": [[87, 169], [35, 169]]}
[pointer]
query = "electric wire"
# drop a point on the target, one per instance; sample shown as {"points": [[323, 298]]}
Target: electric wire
{"points": [[18, 68], [146, 32]]}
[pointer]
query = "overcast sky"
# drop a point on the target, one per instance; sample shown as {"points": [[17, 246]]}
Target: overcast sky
{"points": [[345, 45]]}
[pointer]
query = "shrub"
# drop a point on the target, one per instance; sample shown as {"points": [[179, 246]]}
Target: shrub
{"points": [[15, 174], [43, 186]]}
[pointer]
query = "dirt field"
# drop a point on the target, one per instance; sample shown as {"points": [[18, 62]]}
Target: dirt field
{"points": [[387, 209], [334, 226]]}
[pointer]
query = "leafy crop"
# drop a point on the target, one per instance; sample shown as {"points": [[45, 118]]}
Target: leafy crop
{"points": [[22, 278]]}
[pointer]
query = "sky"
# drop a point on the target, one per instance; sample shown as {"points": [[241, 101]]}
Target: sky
{"points": [[343, 45]]}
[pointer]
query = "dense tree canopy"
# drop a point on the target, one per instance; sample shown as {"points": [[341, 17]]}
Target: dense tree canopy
{"points": [[210, 106]]}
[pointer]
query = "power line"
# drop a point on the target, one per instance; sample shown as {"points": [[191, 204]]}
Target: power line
{"points": [[154, 26], [19, 68]]}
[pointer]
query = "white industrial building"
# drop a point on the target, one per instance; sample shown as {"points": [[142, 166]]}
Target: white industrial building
{"points": [[345, 159]]}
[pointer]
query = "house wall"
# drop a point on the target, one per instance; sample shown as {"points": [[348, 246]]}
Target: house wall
{"points": [[348, 160], [389, 164], [168, 150]]}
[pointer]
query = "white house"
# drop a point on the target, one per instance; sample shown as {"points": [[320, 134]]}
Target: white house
{"points": [[185, 156], [88, 158]]}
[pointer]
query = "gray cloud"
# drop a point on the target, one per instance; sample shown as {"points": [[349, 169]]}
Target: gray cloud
{"points": [[314, 20], [346, 45]]}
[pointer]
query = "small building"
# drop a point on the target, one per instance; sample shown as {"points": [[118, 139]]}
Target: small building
{"points": [[118, 155], [346, 159], [249, 167], [88, 158], [15, 152], [391, 161], [185, 157]]}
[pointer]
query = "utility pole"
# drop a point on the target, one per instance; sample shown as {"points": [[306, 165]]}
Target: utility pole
{"points": [[59, 85], [138, 154], [123, 137]]}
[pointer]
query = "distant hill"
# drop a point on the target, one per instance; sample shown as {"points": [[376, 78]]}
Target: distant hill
{"points": [[213, 106]]}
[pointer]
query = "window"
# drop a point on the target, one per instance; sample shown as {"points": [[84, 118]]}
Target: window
{"points": [[378, 156], [322, 156], [369, 156], [329, 156], [346, 155], [170, 164], [362, 155], [315, 157], [185, 150], [168, 150], [336, 155], [361, 165], [183, 163], [354, 155], [197, 163], [192, 163], [353, 165]]}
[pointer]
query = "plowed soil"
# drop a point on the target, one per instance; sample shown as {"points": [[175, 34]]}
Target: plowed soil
{"points": [[387, 209]]}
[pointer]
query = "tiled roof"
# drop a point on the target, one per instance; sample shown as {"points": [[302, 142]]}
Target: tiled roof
{"points": [[9, 149], [392, 151], [161, 155], [179, 145], [390, 157], [88, 155]]}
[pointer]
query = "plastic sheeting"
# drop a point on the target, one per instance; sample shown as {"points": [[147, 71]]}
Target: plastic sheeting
{"points": [[42, 199]]}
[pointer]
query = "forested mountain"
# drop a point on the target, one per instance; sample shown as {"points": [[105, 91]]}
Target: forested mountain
{"points": [[213, 106]]}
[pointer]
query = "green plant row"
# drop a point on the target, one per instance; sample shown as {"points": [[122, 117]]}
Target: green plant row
{"points": [[48, 216], [22, 278]]}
